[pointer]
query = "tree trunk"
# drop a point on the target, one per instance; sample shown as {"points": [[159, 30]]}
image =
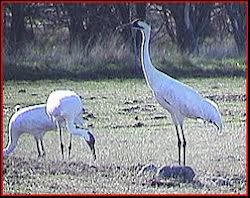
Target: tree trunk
{"points": [[75, 26], [237, 16], [192, 23], [184, 28], [124, 11], [17, 30]]}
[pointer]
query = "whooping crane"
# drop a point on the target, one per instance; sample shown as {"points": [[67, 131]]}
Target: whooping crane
{"points": [[32, 120], [67, 105], [180, 100]]}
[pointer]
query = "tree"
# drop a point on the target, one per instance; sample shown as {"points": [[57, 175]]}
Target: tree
{"points": [[140, 14], [17, 29], [191, 23], [124, 14], [237, 16], [75, 12]]}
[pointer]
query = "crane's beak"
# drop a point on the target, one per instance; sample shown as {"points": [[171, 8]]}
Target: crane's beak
{"points": [[126, 25], [219, 129], [134, 24], [92, 148]]}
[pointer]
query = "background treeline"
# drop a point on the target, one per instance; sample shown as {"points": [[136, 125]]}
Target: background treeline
{"points": [[81, 40]]}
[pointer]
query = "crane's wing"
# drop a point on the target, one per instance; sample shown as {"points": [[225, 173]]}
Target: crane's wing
{"points": [[182, 98]]}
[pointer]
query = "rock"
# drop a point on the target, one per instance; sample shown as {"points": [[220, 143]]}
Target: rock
{"points": [[220, 181], [21, 91], [183, 173], [146, 169], [155, 182], [138, 124]]}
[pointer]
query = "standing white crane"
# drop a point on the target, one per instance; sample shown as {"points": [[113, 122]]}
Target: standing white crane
{"points": [[67, 105], [180, 100], [32, 120]]}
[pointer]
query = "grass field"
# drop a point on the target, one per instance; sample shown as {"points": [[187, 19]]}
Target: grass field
{"points": [[131, 130]]}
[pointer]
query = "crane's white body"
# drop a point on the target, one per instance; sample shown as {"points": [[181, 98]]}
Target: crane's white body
{"points": [[67, 105], [33, 120], [180, 100]]}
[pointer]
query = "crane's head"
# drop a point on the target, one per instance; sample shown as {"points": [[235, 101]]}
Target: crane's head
{"points": [[136, 24], [91, 142], [213, 115]]}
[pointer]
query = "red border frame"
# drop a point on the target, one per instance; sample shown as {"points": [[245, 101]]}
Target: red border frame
{"points": [[106, 2], [2, 98]]}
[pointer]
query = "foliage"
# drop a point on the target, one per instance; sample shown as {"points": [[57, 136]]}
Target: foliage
{"points": [[188, 25]]}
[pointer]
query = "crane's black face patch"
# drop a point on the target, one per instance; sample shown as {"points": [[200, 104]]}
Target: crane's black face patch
{"points": [[92, 138], [91, 144]]}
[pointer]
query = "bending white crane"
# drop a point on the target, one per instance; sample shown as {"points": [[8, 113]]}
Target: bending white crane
{"points": [[180, 100], [67, 105], [32, 120]]}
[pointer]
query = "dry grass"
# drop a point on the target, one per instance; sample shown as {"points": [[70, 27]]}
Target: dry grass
{"points": [[39, 60], [49, 58], [124, 145]]}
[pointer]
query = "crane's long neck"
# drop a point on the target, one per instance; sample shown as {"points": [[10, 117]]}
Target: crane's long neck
{"points": [[13, 138], [148, 69], [76, 131]]}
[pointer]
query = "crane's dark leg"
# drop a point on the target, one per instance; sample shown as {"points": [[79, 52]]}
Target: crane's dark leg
{"points": [[38, 149], [179, 144], [70, 144], [184, 146], [42, 147], [60, 133]]}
